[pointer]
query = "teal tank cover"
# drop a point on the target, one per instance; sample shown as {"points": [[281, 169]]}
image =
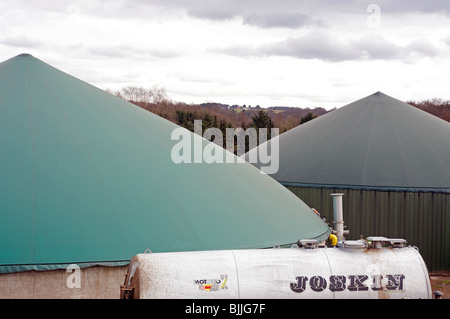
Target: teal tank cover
{"points": [[87, 178], [374, 143]]}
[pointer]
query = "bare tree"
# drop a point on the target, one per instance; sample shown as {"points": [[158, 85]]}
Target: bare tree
{"points": [[159, 95], [115, 93], [137, 94]]}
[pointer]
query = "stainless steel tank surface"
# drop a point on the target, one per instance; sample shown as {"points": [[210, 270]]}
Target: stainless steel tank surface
{"points": [[366, 269]]}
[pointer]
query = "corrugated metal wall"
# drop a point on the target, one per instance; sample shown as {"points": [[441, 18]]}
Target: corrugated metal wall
{"points": [[423, 219]]}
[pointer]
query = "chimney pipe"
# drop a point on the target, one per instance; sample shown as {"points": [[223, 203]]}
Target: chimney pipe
{"points": [[338, 216]]}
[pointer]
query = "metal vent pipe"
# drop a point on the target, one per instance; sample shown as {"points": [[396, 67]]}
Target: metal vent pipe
{"points": [[338, 216]]}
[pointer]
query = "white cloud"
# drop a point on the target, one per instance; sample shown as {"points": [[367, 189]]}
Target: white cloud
{"points": [[131, 51]]}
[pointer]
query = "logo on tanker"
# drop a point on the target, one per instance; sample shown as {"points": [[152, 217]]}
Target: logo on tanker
{"points": [[351, 283], [212, 284]]}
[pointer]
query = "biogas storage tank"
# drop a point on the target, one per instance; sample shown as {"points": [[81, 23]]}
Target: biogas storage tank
{"points": [[373, 268]]}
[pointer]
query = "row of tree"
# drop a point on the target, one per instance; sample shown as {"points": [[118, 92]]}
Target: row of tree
{"points": [[260, 120], [437, 107], [214, 115], [156, 100]]}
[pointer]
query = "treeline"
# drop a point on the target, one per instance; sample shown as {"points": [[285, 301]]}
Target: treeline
{"points": [[222, 116], [437, 107], [157, 101]]}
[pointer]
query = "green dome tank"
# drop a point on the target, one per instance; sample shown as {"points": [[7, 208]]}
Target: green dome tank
{"points": [[87, 178]]}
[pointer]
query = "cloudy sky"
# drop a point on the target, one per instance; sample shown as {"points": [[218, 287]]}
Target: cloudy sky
{"points": [[300, 53]]}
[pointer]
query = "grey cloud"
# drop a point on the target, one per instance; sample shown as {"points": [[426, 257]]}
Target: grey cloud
{"points": [[422, 47], [236, 50], [259, 13], [21, 42], [226, 9], [374, 47], [447, 41], [433, 6], [123, 9], [324, 46], [263, 13], [314, 45], [284, 20], [221, 9], [213, 9], [377, 47]]}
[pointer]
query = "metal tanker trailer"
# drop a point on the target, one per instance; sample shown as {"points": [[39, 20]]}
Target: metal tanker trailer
{"points": [[370, 268]]}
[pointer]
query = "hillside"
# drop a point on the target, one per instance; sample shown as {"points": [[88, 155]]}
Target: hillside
{"points": [[235, 117], [222, 115]]}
